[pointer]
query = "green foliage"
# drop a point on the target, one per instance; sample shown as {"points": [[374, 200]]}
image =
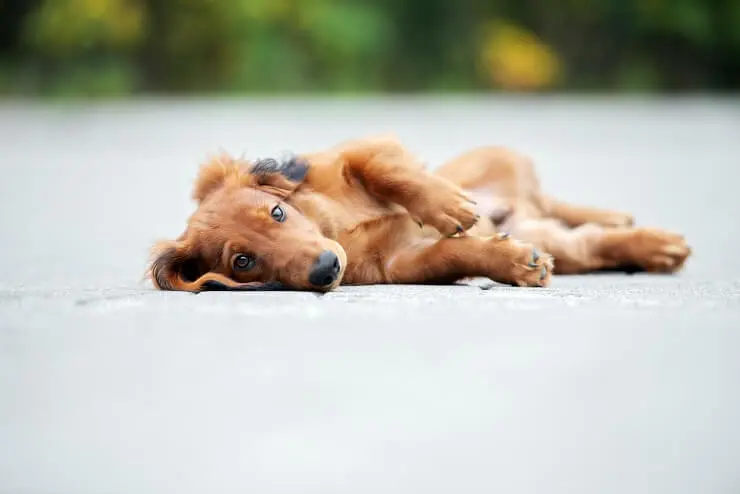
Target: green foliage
{"points": [[67, 27], [118, 47]]}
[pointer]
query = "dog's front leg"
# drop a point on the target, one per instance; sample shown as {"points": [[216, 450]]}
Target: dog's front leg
{"points": [[389, 172], [447, 260]]}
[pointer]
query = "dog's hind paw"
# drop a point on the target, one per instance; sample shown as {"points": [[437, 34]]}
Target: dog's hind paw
{"points": [[651, 249], [519, 264]]}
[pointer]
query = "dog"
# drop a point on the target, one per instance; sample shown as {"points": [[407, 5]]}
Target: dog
{"points": [[368, 211]]}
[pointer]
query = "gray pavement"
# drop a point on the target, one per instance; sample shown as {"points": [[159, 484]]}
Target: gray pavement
{"points": [[600, 384]]}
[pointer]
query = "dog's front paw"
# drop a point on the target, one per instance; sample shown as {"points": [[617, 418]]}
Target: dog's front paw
{"points": [[655, 251], [445, 207], [519, 263]]}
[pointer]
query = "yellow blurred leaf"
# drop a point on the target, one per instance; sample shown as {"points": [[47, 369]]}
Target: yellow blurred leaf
{"points": [[515, 59], [68, 26]]}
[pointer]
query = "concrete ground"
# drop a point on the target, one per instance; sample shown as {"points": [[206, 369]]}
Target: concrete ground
{"points": [[600, 384]]}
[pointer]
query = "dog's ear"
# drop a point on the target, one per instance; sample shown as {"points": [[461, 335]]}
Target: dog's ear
{"points": [[280, 177], [218, 172], [177, 267]]}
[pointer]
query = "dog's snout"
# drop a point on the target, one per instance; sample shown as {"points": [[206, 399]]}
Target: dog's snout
{"points": [[325, 270]]}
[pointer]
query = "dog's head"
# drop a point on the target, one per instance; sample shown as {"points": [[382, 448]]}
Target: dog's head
{"points": [[245, 235]]}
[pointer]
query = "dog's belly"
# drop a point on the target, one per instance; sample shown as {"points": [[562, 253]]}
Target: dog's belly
{"points": [[491, 205]]}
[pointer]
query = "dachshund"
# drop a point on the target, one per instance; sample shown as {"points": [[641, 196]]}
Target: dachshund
{"points": [[368, 211]]}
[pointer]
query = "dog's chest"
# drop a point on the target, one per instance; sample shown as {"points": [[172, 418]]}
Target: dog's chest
{"points": [[337, 215]]}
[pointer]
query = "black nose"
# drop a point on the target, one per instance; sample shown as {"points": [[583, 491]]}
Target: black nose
{"points": [[325, 270]]}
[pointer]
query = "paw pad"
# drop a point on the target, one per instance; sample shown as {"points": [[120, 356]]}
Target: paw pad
{"points": [[535, 258]]}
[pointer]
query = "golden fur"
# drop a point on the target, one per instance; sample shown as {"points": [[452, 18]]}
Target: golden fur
{"points": [[374, 214]]}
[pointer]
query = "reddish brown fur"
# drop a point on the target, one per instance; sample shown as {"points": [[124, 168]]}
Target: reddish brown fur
{"points": [[582, 239], [389, 220]]}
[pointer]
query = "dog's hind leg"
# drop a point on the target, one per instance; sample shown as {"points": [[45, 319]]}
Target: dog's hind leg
{"points": [[499, 258], [574, 215], [592, 247], [499, 175]]}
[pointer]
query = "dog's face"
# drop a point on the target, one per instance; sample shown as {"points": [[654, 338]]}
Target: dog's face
{"points": [[245, 236]]}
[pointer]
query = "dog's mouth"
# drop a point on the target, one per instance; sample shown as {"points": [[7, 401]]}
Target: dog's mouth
{"points": [[271, 286], [325, 274]]}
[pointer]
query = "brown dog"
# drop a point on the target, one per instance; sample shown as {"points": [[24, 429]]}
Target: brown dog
{"points": [[368, 212]]}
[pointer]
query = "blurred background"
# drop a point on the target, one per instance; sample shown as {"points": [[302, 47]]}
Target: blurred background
{"points": [[114, 48]]}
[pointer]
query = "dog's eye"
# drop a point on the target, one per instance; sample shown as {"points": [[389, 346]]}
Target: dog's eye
{"points": [[278, 214], [243, 262]]}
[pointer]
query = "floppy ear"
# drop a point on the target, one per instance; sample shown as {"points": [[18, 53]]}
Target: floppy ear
{"points": [[281, 178], [176, 267], [277, 177], [218, 172]]}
